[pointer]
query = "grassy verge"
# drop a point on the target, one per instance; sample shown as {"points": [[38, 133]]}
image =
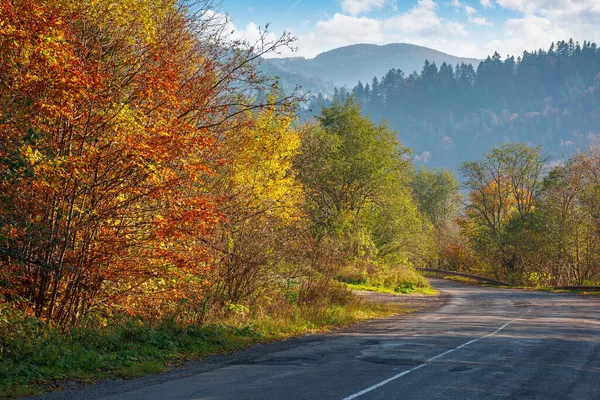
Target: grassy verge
{"points": [[469, 281], [35, 358], [553, 290], [398, 290], [538, 288]]}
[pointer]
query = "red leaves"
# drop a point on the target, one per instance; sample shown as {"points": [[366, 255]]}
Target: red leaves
{"points": [[108, 199]]}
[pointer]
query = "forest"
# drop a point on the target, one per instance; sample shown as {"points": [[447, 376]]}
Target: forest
{"points": [[161, 200], [447, 114]]}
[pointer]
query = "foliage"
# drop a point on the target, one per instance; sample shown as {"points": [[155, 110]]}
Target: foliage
{"points": [[35, 357], [111, 114], [566, 235], [399, 290], [384, 278], [438, 194], [533, 228], [261, 203], [357, 178], [503, 190]]}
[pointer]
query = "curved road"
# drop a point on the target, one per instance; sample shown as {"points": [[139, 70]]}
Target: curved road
{"points": [[482, 343]]}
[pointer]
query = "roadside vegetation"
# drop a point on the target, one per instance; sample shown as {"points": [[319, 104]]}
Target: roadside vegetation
{"points": [[529, 223], [37, 357]]}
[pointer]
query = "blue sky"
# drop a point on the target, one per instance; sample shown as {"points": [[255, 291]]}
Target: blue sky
{"points": [[470, 28]]}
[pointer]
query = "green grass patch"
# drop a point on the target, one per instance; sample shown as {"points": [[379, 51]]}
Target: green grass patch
{"points": [[464, 279], [553, 290], [475, 282], [35, 358], [398, 290], [470, 281]]}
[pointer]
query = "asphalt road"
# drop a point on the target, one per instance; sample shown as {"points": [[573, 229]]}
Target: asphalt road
{"points": [[481, 343]]}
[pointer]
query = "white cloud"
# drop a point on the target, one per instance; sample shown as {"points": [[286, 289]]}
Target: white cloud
{"points": [[534, 24], [470, 10], [251, 34], [424, 157], [420, 25], [355, 7], [527, 33], [348, 29], [471, 14], [422, 19], [552, 7], [456, 29], [480, 21], [337, 31]]}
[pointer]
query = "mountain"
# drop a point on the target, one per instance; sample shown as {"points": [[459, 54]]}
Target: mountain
{"points": [[346, 66], [289, 81]]}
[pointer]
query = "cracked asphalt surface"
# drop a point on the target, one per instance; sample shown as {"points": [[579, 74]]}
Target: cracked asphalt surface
{"points": [[470, 343]]}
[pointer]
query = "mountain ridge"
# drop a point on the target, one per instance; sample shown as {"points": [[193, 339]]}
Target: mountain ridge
{"points": [[347, 65]]}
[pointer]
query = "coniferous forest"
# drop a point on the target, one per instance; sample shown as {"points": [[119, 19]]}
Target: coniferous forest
{"points": [[448, 114]]}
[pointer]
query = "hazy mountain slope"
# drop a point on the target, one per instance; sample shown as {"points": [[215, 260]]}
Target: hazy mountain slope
{"points": [[549, 98], [348, 65], [290, 80]]}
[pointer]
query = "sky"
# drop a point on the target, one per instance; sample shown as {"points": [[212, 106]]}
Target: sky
{"points": [[466, 28]]}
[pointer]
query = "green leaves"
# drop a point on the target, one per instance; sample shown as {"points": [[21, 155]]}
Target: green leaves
{"points": [[357, 177]]}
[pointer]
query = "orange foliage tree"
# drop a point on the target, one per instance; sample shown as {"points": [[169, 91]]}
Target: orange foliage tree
{"points": [[109, 125]]}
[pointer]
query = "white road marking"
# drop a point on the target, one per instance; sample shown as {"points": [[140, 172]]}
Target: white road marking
{"points": [[400, 375]]}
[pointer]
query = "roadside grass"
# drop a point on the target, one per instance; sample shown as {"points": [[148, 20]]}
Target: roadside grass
{"points": [[382, 278], [553, 290], [469, 281], [397, 291], [35, 358], [536, 288]]}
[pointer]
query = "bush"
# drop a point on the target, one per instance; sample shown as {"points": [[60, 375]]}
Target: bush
{"points": [[401, 279]]}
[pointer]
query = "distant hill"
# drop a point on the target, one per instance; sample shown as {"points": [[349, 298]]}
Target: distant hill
{"points": [[348, 65], [289, 81]]}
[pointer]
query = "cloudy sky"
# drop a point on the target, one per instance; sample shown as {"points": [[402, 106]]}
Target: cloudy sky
{"points": [[468, 28]]}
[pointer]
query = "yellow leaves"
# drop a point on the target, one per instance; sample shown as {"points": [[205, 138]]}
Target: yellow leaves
{"points": [[31, 155], [261, 166], [138, 20]]}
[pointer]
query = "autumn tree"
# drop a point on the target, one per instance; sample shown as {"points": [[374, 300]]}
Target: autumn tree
{"points": [[566, 241], [111, 117], [261, 205], [503, 189]]}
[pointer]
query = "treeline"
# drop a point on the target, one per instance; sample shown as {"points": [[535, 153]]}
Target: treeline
{"points": [[140, 177], [529, 222], [545, 97]]}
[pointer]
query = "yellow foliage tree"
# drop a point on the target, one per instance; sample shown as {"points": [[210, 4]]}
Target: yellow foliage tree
{"points": [[262, 203]]}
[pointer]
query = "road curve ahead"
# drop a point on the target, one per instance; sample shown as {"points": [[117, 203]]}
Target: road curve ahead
{"points": [[482, 344]]}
